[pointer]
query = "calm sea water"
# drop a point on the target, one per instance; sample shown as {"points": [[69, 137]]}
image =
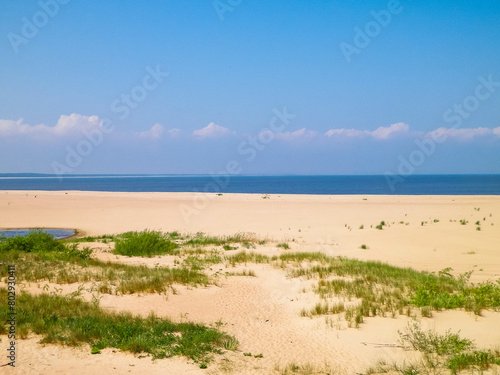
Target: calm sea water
{"points": [[412, 185]]}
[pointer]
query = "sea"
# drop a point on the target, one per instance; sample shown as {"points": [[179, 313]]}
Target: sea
{"points": [[321, 185]]}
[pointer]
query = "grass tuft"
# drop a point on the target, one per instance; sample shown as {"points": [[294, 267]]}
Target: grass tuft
{"points": [[146, 243]]}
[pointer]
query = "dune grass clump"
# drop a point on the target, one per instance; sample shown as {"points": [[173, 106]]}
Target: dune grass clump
{"points": [[41, 243], [201, 239], [39, 256], [250, 273], [283, 245], [247, 257], [381, 289], [71, 321], [446, 353], [146, 243], [111, 277], [323, 309], [449, 292], [305, 369]]}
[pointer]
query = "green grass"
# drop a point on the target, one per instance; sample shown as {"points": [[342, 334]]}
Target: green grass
{"points": [[250, 273], [231, 343], [146, 243], [305, 369], [112, 278], [379, 288], [323, 309], [247, 257], [201, 239], [43, 244], [446, 353], [70, 321], [477, 359], [431, 342], [39, 257], [283, 245]]}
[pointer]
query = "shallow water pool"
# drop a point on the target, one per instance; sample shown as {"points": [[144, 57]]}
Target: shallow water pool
{"points": [[57, 233]]}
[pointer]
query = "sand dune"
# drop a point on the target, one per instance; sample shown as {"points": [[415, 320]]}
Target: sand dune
{"points": [[263, 312]]}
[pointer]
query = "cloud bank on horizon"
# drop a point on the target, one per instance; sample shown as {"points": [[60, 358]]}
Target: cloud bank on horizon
{"points": [[75, 125]]}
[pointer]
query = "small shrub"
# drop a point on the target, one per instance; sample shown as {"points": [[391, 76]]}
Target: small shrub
{"points": [[283, 245]]}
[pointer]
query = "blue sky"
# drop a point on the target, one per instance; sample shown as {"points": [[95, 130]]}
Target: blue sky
{"points": [[184, 87]]}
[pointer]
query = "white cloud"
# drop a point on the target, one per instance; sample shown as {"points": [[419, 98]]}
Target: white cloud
{"points": [[212, 130], [65, 125], [379, 133], [465, 134], [386, 132], [346, 133], [8, 127], [155, 132], [297, 134]]}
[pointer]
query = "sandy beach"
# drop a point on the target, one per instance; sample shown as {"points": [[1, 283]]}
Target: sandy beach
{"points": [[263, 312]]}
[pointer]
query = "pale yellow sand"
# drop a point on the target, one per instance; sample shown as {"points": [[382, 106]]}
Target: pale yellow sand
{"points": [[264, 311]]}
